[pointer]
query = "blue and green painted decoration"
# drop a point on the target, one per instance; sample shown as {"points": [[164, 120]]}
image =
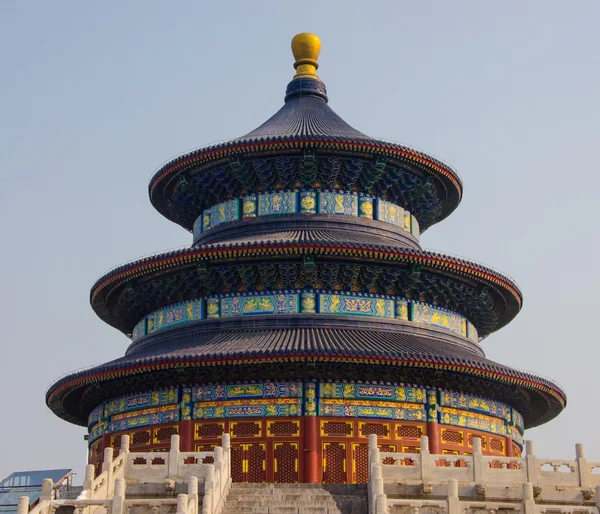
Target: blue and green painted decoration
{"points": [[306, 202], [305, 302], [350, 399]]}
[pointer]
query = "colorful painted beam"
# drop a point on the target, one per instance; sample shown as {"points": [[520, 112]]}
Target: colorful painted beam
{"points": [[307, 202], [305, 302]]}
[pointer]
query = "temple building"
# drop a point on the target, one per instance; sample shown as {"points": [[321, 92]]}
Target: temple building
{"points": [[305, 315]]}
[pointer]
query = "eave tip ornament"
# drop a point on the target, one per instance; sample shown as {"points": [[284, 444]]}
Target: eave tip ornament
{"points": [[306, 48]]}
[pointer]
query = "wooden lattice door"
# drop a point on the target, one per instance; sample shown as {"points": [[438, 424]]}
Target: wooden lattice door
{"points": [[249, 462], [334, 463], [360, 463], [285, 457]]}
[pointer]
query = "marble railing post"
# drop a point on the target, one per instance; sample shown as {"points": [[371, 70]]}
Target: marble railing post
{"points": [[218, 476], [370, 458], [118, 500], [174, 457], [107, 466], [182, 503], [124, 445], [23, 505], [192, 491], [47, 488], [598, 496], [582, 466], [381, 504], [426, 460], [477, 460], [226, 442], [453, 500], [107, 459], [88, 479], [528, 501], [209, 483], [530, 462], [377, 482]]}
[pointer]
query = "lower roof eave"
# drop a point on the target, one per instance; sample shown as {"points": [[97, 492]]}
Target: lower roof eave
{"points": [[541, 389]]}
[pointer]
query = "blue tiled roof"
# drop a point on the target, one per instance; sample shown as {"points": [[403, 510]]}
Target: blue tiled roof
{"points": [[305, 113]]}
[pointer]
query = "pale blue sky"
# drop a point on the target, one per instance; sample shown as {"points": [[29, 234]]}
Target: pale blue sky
{"points": [[96, 95]]}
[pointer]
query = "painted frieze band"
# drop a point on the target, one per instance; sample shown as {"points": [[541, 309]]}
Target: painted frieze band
{"points": [[305, 302], [349, 399], [305, 202]]}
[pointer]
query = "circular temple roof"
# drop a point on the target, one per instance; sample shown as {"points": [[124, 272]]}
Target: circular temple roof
{"points": [[308, 133], [305, 145]]}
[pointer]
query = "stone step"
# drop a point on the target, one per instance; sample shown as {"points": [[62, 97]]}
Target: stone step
{"points": [[295, 510], [333, 489], [296, 499], [272, 502]]}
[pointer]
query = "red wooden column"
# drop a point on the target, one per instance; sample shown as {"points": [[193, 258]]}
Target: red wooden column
{"points": [[312, 471], [433, 427], [433, 432], [105, 444], [186, 436], [186, 427], [509, 447], [312, 467]]}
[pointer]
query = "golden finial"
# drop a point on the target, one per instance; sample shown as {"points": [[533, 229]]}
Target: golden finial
{"points": [[306, 48]]}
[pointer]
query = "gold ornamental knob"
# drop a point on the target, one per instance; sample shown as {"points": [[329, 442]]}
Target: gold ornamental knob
{"points": [[306, 48]]}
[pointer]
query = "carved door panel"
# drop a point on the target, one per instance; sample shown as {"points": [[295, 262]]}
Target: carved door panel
{"points": [[237, 463], [334, 463], [285, 462], [360, 463], [249, 462], [256, 462]]}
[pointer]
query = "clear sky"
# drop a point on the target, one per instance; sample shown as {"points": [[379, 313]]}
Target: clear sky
{"points": [[96, 95]]}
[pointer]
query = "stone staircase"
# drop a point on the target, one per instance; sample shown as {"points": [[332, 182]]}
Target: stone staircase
{"points": [[296, 499]]}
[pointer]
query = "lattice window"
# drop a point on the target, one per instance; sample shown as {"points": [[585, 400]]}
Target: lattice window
{"points": [[97, 468], [516, 450], [209, 430], [409, 432], [483, 441], [337, 428], [411, 449], [95, 449], [205, 447], [286, 428], [334, 466], [452, 436], [115, 442], [164, 434], [208, 460], [496, 445], [381, 429], [190, 460], [140, 438], [286, 457], [246, 429]]}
